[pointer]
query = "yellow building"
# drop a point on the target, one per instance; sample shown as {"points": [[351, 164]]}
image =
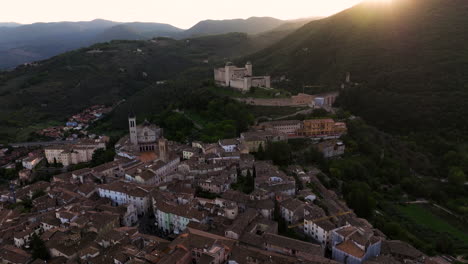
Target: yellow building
{"points": [[322, 128]]}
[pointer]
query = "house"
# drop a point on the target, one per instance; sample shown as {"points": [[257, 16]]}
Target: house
{"points": [[12, 255], [31, 161], [196, 246], [353, 245], [240, 224], [215, 184], [291, 247], [174, 218], [188, 153], [317, 225], [124, 193], [292, 210], [401, 251], [154, 174], [331, 148], [229, 145], [25, 174]]}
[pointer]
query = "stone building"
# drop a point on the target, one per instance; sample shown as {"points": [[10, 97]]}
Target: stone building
{"points": [[353, 245], [143, 137], [73, 154], [331, 148], [322, 128], [289, 127], [240, 78]]}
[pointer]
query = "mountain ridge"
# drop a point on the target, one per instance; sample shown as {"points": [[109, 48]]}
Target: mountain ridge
{"points": [[38, 41]]}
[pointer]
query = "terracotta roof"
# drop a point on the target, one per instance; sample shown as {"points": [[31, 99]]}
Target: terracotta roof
{"points": [[396, 247], [282, 122], [350, 248], [14, 255], [285, 242], [292, 204]]}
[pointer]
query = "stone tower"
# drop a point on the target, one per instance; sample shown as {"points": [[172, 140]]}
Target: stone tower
{"points": [[348, 77], [249, 69], [228, 71], [133, 129], [163, 155]]}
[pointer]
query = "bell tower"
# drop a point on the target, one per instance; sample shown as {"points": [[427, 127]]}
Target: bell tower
{"points": [[133, 129], [163, 155]]}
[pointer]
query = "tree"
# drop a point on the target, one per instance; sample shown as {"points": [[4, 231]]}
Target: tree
{"points": [[39, 249], [456, 177], [444, 244], [260, 152], [279, 153], [358, 197], [102, 156], [249, 184]]}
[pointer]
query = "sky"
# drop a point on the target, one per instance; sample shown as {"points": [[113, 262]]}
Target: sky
{"points": [[180, 13]]}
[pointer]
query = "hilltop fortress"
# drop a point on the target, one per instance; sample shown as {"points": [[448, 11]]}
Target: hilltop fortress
{"points": [[240, 78]]}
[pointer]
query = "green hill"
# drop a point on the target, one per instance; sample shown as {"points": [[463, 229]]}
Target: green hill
{"points": [[252, 25], [409, 55], [106, 73]]}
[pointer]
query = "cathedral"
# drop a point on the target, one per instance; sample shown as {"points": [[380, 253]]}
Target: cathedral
{"points": [[144, 137]]}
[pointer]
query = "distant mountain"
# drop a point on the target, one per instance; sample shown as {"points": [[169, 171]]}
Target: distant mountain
{"points": [[410, 57], [38, 41], [251, 25], [9, 24], [294, 24], [26, 43], [138, 31]]}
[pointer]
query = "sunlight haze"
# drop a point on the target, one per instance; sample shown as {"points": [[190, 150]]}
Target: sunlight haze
{"points": [[180, 13]]}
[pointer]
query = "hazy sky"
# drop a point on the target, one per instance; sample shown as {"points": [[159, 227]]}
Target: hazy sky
{"points": [[181, 13]]}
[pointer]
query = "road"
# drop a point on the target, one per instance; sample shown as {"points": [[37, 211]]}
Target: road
{"points": [[304, 112]]}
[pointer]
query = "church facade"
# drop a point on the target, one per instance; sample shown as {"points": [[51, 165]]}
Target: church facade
{"points": [[144, 137]]}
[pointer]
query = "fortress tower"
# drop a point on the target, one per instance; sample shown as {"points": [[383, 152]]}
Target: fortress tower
{"points": [[248, 68], [133, 129]]}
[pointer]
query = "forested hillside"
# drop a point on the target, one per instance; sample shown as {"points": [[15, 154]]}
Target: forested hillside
{"points": [[409, 55], [106, 73]]}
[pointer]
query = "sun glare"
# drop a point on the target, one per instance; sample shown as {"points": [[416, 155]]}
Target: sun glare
{"points": [[380, 1]]}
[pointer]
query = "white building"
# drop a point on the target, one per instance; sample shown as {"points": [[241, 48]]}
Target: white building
{"points": [[317, 225], [240, 78], [154, 174], [174, 218], [127, 193], [292, 210], [74, 154], [31, 162], [229, 145]]}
